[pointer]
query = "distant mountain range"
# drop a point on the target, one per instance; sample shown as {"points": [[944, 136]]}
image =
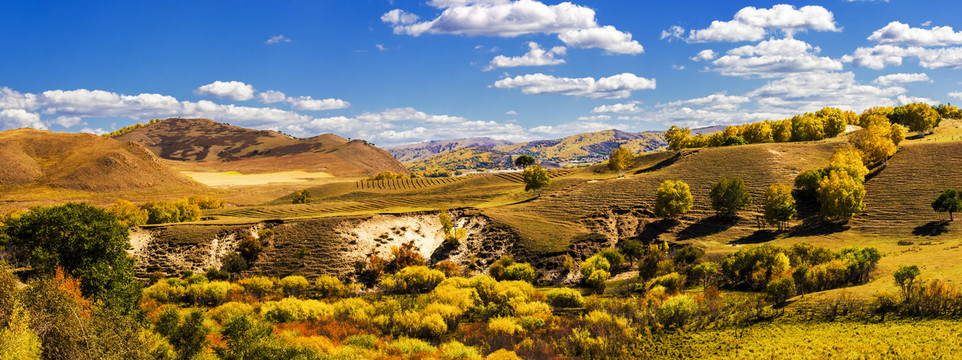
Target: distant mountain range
{"points": [[489, 154]]}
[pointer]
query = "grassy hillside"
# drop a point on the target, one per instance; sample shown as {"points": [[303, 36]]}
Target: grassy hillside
{"points": [[43, 163], [214, 146], [415, 152], [588, 147]]}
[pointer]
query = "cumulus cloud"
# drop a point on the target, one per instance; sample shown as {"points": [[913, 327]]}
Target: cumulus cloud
{"points": [[717, 101], [897, 33], [956, 94], [881, 56], [536, 56], [901, 78], [68, 121], [574, 128], [675, 32], [277, 39], [399, 17], [752, 24], [612, 87], [20, 118], [511, 112], [905, 99], [575, 25], [629, 108], [774, 58], [302, 102], [813, 91], [230, 90], [704, 55], [595, 118]]}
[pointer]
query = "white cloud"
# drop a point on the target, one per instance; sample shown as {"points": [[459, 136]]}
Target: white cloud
{"points": [[897, 33], [574, 128], [309, 103], [399, 17], [20, 118], [595, 118], [774, 58], [704, 55], [68, 121], [277, 39], [673, 33], [678, 67], [606, 37], [230, 90], [574, 24], [511, 112], [901, 78], [271, 96], [97, 131], [628, 108], [813, 91], [717, 101], [881, 56], [904, 99], [752, 24], [536, 56], [612, 87], [956, 94]]}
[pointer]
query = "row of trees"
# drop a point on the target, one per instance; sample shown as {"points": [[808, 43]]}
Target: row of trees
{"points": [[161, 212], [825, 123], [728, 197]]}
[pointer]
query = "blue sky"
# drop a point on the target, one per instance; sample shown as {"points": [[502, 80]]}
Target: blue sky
{"points": [[396, 72]]}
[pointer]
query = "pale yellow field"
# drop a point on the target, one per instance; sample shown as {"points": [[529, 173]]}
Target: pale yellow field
{"points": [[233, 178]]}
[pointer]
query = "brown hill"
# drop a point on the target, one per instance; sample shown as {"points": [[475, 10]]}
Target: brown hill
{"points": [[83, 162], [248, 150]]}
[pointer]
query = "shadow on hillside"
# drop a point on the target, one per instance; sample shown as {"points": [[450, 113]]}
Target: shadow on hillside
{"points": [[934, 228], [815, 226], [654, 229], [708, 226], [757, 237]]}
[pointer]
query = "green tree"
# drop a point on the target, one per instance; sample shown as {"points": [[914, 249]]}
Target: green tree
{"points": [[535, 178], [87, 242], [677, 137], [807, 182], [905, 277], [918, 117], [524, 161], [302, 196], [779, 205], [190, 337], [620, 159], [840, 195], [673, 199], [949, 200], [728, 196], [734, 140]]}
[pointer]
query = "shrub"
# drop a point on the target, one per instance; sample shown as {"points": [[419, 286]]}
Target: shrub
{"points": [[455, 350], [532, 308], [905, 277], [673, 283], [233, 263], [258, 285], [596, 262], [449, 268], [293, 285], [780, 290], [386, 175], [597, 280], [688, 255], [409, 346], [213, 273], [519, 271], [406, 255], [329, 286], [303, 196], [614, 257], [503, 355], [128, 214], [565, 298], [229, 310], [211, 293], [163, 291], [205, 202], [355, 309], [504, 326], [250, 248], [497, 269], [294, 310], [370, 271], [418, 279], [677, 310], [365, 341]]}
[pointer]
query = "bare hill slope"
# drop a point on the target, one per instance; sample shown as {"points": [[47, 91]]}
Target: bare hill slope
{"points": [[247, 150], [83, 162]]}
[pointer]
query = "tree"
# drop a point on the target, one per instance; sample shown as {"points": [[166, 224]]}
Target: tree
{"points": [[734, 140], [904, 277], [848, 160], [779, 205], [728, 196], [677, 137], [87, 242], [807, 127], [672, 199], [759, 132], [535, 178], [840, 195], [949, 200], [782, 131], [948, 111], [524, 161], [807, 182], [918, 117], [833, 119], [875, 140], [620, 159], [898, 134], [302, 196], [128, 214]]}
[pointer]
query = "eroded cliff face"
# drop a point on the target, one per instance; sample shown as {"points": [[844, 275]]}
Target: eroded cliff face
{"points": [[324, 246]]}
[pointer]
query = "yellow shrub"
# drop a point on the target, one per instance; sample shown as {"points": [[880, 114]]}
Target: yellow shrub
{"points": [[449, 313], [163, 291], [211, 293], [258, 285], [463, 298], [532, 308], [504, 326], [455, 350], [319, 343], [315, 310], [503, 355], [293, 285], [229, 310], [419, 279], [354, 308], [329, 286], [433, 326]]}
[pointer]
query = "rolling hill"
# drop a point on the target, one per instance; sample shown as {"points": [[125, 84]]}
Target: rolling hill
{"points": [[221, 147], [415, 152], [584, 148], [82, 162]]}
